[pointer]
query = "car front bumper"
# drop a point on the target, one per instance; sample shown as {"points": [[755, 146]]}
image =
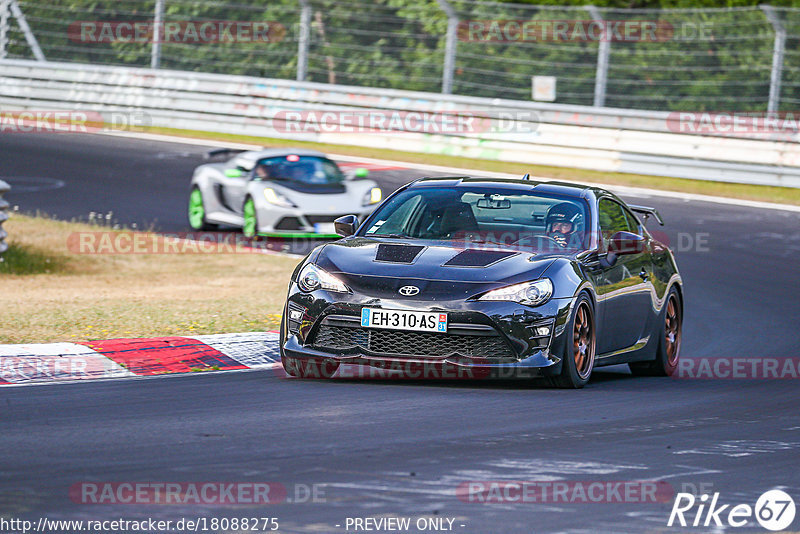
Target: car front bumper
{"points": [[298, 222], [495, 337]]}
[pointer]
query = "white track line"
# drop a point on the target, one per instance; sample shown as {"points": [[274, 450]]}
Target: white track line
{"points": [[621, 189]]}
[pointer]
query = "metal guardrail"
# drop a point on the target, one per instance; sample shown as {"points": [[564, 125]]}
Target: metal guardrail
{"points": [[604, 139], [4, 188], [731, 58]]}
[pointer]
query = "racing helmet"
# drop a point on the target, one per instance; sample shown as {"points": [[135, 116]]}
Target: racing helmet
{"points": [[564, 224]]}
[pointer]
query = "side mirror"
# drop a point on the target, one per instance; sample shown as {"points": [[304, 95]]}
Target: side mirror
{"points": [[346, 226], [622, 243], [234, 173]]}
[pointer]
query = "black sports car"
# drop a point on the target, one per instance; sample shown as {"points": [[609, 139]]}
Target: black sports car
{"points": [[495, 277]]}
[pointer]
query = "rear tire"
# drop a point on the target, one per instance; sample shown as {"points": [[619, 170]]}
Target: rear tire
{"points": [[197, 212], [669, 342], [579, 347]]}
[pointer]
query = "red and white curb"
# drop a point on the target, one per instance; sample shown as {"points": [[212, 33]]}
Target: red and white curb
{"points": [[125, 358]]}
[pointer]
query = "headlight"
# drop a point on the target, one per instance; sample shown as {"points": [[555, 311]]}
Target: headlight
{"points": [[277, 199], [312, 277], [373, 196], [528, 293]]}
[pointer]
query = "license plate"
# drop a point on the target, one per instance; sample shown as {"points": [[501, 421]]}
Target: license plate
{"points": [[324, 228], [404, 320]]}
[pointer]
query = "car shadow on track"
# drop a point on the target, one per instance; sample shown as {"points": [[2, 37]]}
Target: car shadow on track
{"points": [[614, 375]]}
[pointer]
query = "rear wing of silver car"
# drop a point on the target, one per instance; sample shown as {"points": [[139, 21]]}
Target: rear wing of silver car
{"points": [[647, 212], [222, 152]]}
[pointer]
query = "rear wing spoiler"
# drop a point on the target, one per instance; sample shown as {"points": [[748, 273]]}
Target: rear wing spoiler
{"points": [[647, 212], [219, 152]]}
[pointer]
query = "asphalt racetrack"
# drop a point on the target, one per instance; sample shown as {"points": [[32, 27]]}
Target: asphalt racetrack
{"points": [[403, 448]]}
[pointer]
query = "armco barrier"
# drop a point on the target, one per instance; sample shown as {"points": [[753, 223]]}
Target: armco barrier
{"points": [[603, 139], [4, 187]]}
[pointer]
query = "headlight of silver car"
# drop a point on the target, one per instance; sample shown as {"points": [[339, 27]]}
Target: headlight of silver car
{"points": [[528, 293], [312, 277], [373, 196], [277, 199]]}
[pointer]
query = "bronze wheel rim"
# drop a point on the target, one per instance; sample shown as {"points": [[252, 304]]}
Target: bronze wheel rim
{"points": [[583, 340], [672, 329]]}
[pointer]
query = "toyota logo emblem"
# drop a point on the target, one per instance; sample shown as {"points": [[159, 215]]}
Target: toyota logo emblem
{"points": [[409, 291]]}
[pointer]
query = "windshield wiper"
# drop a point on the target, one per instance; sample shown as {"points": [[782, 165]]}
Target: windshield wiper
{"points": [[484, 241], [396, 236]]}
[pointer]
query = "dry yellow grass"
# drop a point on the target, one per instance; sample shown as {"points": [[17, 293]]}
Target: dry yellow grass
{"points": [[85, 297]]}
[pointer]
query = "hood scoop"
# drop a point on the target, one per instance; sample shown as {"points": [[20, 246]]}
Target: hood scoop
{"points": [[478, 258], [398, 253]]}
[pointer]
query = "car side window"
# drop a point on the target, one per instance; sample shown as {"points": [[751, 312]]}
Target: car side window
{"points": [[612, 219], [633, 222]]}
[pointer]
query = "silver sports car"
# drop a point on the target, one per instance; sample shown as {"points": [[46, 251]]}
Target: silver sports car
{"points": [[282, 191]]}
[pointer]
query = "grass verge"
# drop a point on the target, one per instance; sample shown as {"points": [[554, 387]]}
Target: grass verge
{"points": [[782, 195], [53, 294]]}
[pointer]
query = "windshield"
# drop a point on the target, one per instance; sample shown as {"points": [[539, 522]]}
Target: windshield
{"points": [[301, 169], [486, 215]]}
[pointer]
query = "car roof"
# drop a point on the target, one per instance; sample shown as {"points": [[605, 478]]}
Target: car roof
{"points": [[520, 184]]}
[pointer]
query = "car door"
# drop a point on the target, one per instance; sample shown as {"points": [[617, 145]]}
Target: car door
{"points": [[229, 189], [622, 287], [235, 191]]}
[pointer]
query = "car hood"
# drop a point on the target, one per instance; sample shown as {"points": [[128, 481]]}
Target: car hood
{"points": [[380, 268]]}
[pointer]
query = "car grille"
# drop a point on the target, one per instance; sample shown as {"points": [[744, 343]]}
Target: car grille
{"points": [[289, 223], [411, 344], [319, 219]]}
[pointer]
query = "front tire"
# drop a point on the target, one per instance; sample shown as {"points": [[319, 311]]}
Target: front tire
{"points": [[197, 212], [250, 224], [579, 346], [669, 343]]}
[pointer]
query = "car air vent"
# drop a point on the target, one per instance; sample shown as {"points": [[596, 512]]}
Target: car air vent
{"points": [[289, 223], [477, 258], [322, 219], [398, 253]]}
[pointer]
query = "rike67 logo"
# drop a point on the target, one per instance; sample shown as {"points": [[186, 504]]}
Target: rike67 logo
{"points": [[774, 510]]}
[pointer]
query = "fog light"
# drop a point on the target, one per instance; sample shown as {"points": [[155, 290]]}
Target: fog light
{"points": [[295, 316], [543, 331]]}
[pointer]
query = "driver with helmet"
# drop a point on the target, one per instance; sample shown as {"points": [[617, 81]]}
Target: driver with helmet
{"points": [[564, 224]]}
